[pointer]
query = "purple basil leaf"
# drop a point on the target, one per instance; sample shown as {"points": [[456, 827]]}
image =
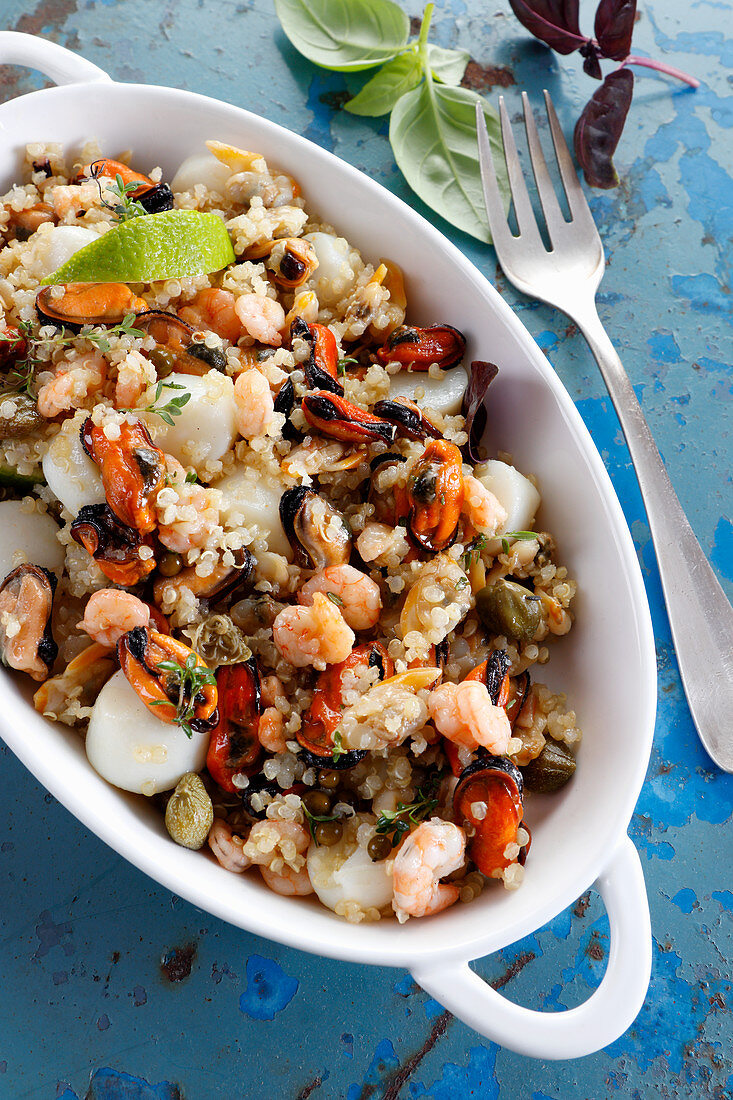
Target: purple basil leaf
{"points": [[614, 26], [554, 22], [591, 64], [599, 128], [482, 375]]}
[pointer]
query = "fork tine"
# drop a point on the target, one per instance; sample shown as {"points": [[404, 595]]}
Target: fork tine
{"points": [[526, 220], [498, 224], [550, 206], [577, 201]]}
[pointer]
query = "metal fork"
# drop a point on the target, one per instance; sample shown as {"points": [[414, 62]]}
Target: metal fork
{"points": [[567, 277]]}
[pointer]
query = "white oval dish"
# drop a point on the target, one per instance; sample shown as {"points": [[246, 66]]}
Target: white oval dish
{"points": [[607, 666]]}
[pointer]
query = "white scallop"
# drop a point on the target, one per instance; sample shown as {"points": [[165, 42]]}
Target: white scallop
{"points": [[335, 275], [32, 534], [201, 168], [444, 394], [253, 498], [133, 749], [58, 245], [345, 872], [69, 471], [516, 493], [206, 427]]}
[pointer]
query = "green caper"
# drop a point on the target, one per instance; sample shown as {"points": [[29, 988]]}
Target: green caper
{"points": [[189, 813], [509, 609], [25, 417], [551, 770], [163, 360], [170, 564], [379, 847], [328, 780], [328, 833], [317, 803]]}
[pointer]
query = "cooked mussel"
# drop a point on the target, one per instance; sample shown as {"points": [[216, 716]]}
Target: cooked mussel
{"points": [[13, 346], [410, 421], [284, 403], [337, 418], [22, 420], [317, 531], [224, 580], [419, 348], [22, 224], [489, 796], [234, 747], [316, 735], [161, 669], [179, 347], [291, 262], [114, 546], [26, 604], [153, 197], [321, 367], [509, 609], [435, 497], [132, 470], [74, 305]]}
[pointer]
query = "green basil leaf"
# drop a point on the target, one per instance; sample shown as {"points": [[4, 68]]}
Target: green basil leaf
{"points": [[433, 136], [448, 66], [379, 95], [343, 36]]}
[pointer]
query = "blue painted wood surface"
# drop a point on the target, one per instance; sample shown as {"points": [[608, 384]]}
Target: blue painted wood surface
{"points": [[113, 988]]}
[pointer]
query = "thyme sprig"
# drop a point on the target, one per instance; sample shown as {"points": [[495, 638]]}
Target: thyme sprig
{"points": [[400, 821], [125, 207], [315, 819], [188, 679], [472, 553], [344, 362], [338, 747], [518, 536], [171, 408]]}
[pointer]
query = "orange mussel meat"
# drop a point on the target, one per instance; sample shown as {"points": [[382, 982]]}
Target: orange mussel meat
{"points": [[132, 469], [234, 747], [140, 652], [337, 418], [419, 348], [435, 496], [114, 546]]}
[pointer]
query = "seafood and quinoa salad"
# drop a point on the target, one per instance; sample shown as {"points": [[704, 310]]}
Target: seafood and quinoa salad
{"points": [[252, 550]]}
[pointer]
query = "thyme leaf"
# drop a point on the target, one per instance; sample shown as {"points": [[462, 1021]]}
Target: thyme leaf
{"points": [[187, 679]]}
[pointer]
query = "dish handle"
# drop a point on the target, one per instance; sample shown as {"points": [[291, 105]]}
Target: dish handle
{"points": [[54, 61], [577, 1031]]}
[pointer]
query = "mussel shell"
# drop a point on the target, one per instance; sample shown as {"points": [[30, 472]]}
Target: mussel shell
{"points": [[486, 762], [345, 761], [214, 358], [284, 403], [311, 549], [258, 784], [497, 666], [156, 199], [47, 648], [411, 424]]}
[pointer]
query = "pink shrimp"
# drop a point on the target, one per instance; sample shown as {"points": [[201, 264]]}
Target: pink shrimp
{"points": [[262, 318], [191, 520], [465, 715], [279, 849], [356, 594], [75, 380], [434, 849], [270, 730], [213, 310], [317, 635], [228, 848], [254, 406], [110, 613], [483, 509]]}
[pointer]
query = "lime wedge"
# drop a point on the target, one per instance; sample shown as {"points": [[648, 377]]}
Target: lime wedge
{"points": [[168, 245]]}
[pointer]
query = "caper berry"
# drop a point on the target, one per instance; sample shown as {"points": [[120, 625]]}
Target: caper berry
{"points": [[163, 360], [510, 609], [328, 833], [317, 803], [328, 780], [170, 564], [379, 847], [551, 770], [189, 813]]}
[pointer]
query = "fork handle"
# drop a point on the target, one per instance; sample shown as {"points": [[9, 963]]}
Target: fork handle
{"points": [[699, 613]]}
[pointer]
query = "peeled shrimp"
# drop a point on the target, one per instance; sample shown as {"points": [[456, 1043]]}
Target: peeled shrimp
{"points": [[483, 509], [73, 383], [465, 715], [134, 374], [357, 595], [434, 849], [191, 520], [213, 310], [270, 730], [317, 635], [279, 848], [254, 407], [262, 318], [110, 613], [379, 541], [228, 848]]}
